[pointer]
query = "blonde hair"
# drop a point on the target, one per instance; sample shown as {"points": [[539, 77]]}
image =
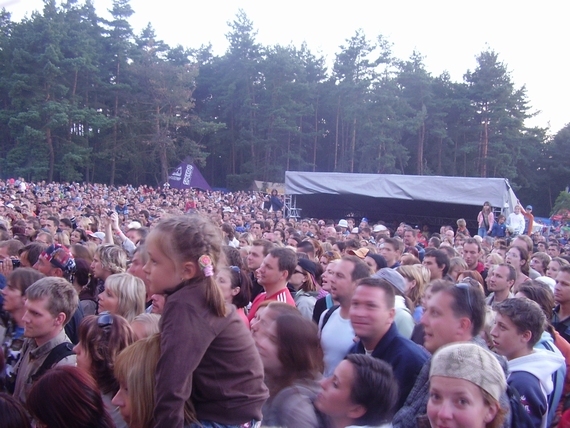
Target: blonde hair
{"points": [[418, 273], [495, 259], [457, 263], [130, 292], [150, 322], [135, 368], [112, 257], [187, 238], [62, 238]]}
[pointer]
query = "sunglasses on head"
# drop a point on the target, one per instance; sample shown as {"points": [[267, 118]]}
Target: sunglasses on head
{"points": [[105, 319]]}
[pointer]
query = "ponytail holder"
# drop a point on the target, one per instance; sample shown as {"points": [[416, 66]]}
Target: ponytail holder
{"points": [[206, 265]]}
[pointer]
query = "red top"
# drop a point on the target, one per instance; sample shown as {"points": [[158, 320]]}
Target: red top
{"points": [[282, 295]]}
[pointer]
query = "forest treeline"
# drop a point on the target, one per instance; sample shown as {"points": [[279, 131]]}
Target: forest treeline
{"points": [[86, 99]]}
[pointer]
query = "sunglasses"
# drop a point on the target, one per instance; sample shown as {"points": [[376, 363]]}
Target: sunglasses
{"points": [[467, 287], [105, 319]]}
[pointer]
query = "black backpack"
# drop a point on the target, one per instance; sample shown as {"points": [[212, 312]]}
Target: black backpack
{"points": [[57, 354], [328, 315], [519, 416]]}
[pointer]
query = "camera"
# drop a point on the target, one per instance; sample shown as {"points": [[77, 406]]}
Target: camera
{"points": [[109, 213]]}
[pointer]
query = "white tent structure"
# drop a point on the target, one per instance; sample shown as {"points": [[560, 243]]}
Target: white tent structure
{"points": [[433, 200]]}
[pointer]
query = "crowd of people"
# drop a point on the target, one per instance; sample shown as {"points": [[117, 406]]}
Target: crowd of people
{"points": [[142, 307]]}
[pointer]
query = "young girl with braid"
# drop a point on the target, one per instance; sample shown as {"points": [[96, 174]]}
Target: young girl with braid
{"points": [[207, 354]]}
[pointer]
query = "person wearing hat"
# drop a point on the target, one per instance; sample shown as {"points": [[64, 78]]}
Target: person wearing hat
{"points": [[466, 370], [453, 313], [57, 261], [403, 307], [343, 224], [361, 252], [304, 282], [375, 261], [372, 315]]}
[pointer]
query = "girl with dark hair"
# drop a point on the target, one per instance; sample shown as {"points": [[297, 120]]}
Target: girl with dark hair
{"points": [[304, 281], [485, 220], [101, 339], [74, 401], [78, 236], [86, 287], [235, 285], [519, 259], [293, 362], [361, 392]]}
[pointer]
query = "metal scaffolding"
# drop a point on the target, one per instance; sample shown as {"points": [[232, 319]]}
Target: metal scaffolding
{"points": [[290, 207]]}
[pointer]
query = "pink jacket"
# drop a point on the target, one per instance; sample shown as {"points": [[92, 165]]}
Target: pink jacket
{"points": [[490, 219]]}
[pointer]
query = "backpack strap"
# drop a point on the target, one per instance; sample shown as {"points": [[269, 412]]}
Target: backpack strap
{"points": [[57, 354], [328, 315]]}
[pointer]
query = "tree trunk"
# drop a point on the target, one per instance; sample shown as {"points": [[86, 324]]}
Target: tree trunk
{"points": [[353, 146], [300, 143], [316, 136], [115, 129], [421, 138], [288, 150], [485, 148], [439, 154], [161, 140], [49, 141], [336, 135], [233, 141]]}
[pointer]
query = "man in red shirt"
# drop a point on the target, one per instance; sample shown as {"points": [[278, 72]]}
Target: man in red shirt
{"points": [[273, 274]]}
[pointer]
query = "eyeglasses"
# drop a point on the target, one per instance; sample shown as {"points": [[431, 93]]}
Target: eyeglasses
{"points": [[467, 287], [105, 319], [299, 271]]}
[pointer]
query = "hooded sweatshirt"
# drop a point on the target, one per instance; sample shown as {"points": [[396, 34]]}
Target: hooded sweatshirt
{"points": [[546, 342], [531, 376], [403, 318]]}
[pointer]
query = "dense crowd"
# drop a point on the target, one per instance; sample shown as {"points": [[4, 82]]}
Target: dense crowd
{"points": [[156, 307]]}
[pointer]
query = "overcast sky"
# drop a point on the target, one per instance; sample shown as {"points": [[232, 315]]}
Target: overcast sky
{"points": [[530, 37]]}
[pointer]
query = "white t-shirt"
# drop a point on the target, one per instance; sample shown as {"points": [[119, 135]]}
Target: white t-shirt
{"points": [[516, 223], [336, 340]]}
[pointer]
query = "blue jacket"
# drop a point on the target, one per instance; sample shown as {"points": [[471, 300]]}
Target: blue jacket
{"points": [[547, 342], [405, 357], [499, 230], [531, 375]]}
